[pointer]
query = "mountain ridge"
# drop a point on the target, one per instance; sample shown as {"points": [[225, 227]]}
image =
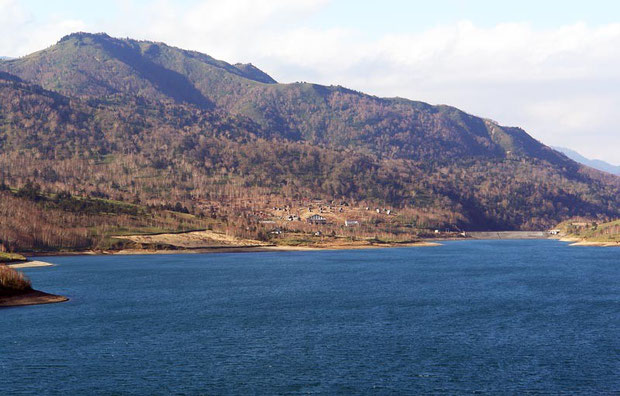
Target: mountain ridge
{"points": [[593, 163], [152, 73]]}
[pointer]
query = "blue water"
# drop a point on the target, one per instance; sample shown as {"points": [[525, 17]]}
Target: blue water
{"points": [[508, 317]]}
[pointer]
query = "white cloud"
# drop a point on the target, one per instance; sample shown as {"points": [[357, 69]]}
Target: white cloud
{"points": [[22, 34], [221, 28], [560, 84]]}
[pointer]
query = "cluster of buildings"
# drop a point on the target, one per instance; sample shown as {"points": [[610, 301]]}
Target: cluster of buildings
{"points": [[318, 210]]}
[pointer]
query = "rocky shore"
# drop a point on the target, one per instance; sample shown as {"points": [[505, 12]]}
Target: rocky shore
{"points": [[31, 297]]}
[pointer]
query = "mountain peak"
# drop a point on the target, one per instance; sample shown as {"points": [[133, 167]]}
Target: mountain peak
{"points": [[255, 73], [96, 64], [82, 35], [154, 49]]}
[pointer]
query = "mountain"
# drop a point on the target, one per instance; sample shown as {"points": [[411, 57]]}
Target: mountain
{"points": [[592, 163], [95, 66], [160, 127]]}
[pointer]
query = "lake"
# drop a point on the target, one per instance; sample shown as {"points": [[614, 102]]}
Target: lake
{"points": [[511, 317]]}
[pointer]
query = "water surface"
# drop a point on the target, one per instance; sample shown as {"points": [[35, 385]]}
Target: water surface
{"points": [[490, 317]]}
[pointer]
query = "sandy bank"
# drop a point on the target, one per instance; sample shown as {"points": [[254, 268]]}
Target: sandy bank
{"points": [[31, 264], [583, 242], [591, 243], [267, 248], [33, 297], [217, 242], [348, 247], [569, 239], [192, 240], [214, 249]]}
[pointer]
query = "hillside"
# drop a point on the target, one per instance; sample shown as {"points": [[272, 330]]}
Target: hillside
{"points": [[96, 65], [590, 233], [159, 127]]}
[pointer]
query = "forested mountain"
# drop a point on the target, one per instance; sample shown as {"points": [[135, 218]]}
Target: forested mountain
{"points": [[96, 66], [154, 125]]}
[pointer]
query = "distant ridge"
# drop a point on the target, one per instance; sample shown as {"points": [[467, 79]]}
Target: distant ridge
{"points": [[592, 163]]}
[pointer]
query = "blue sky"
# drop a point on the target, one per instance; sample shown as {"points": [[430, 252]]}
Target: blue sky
{"points": [[551, 67]]}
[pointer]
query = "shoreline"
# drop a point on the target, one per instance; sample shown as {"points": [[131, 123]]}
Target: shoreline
{"points": [[429, 242], [594, 243], [573, 241], [30, 264], [219, 249], [33, 297], [202, 241]]}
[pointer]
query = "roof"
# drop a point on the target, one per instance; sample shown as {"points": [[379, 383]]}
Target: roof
{"points": [[316, 217]]}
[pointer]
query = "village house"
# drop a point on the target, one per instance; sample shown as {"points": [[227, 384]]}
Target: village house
{"points": [[351, 223], [317, 219]]}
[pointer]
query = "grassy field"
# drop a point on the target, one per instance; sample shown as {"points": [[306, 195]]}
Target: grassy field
{"points": [[592, 231], [11, 258], [12, 281]]}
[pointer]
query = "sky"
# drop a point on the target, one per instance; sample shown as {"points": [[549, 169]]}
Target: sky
{"points": [[550, 67]]}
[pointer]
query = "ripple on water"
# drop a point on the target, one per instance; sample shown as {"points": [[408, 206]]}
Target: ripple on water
{"points": [[468, 317]]}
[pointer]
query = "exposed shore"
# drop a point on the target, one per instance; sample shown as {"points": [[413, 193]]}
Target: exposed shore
{"points": [[348, 247], [33, 297], [15, 289], [30, 264], [202, 242], [208, 241], [594, 243], [263, 248], [584, 242]]}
